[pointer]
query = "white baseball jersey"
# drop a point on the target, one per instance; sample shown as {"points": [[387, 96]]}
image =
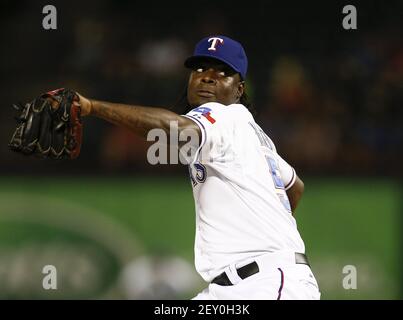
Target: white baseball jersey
{"points": [[239, 186]]}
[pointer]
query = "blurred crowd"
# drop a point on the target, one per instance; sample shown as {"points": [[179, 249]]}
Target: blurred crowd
{"points": [[329, 98], [341, 112]]}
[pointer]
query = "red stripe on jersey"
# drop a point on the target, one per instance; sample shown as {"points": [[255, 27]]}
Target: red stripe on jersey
{"points": [[208, 117]]}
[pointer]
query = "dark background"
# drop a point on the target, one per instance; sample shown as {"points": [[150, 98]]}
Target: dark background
{"points": [[330, 98]]}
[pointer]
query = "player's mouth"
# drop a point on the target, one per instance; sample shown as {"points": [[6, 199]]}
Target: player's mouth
{"points": [[205, 93]]}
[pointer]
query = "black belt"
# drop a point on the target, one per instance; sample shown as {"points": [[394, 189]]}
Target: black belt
{"points": [[251, 269]]}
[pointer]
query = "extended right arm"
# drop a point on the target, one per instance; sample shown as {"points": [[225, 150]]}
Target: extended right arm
{"points": [[138, 119]]}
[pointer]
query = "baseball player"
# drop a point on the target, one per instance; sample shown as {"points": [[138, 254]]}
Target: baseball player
{"points": [[247, 245]]}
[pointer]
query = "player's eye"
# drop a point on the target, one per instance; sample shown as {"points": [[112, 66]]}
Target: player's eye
{"points": [[199, 70], [222, 73]]}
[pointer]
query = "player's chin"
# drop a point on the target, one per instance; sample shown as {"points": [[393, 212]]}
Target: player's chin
{"points": [[198, 100]]}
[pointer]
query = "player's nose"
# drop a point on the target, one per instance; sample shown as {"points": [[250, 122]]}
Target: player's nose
{"points": [[209, 76]]}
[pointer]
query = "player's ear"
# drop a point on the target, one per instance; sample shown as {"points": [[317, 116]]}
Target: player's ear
{"points": [[241, 89]]}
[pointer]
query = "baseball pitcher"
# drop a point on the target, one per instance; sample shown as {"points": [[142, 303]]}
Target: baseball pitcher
{"points": [[247, 245]]}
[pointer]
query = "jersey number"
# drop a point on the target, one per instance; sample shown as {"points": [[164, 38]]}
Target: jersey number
{"points": [[278, 182], [201, 173], [275, 172]]}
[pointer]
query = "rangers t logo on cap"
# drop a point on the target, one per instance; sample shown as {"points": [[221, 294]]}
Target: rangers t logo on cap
{"points": [[214, 43]]}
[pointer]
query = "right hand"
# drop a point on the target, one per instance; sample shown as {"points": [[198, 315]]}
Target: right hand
{"points": [[85, 104]]}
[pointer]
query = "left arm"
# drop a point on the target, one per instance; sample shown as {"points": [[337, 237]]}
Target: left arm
{"points": [[295, 193]]}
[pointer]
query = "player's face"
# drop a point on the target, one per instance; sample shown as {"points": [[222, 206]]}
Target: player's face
{"points": [[213, 81]]}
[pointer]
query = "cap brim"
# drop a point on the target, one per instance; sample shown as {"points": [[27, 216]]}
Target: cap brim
{"points": [[191, 61]]}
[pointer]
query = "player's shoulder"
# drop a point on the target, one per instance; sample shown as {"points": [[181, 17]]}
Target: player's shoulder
{"points": [[239, 110], [220, 110], [263, 136], [207, 107]]}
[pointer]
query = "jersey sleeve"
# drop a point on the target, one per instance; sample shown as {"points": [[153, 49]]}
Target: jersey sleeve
{"points": [[213, 119], [287, 172]]}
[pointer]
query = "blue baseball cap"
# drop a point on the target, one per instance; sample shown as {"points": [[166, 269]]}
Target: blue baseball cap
{"points": [[223, 49]]}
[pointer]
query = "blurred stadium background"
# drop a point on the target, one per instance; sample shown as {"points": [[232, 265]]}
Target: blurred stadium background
{"points": [[116, 227]]}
